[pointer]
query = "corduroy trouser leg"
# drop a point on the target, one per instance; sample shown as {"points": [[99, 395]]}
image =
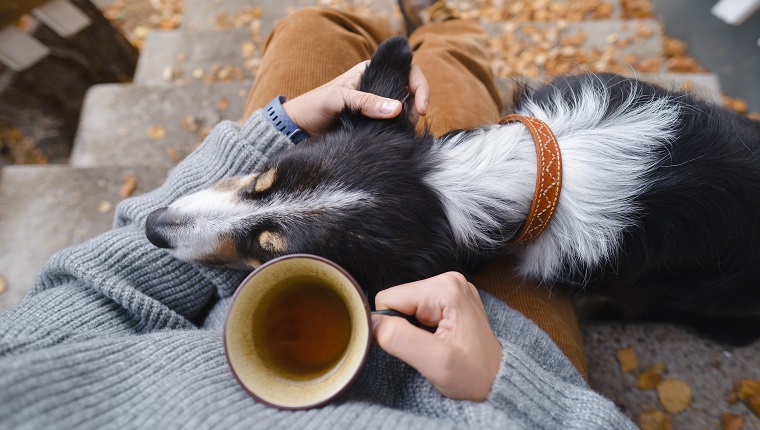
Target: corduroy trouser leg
{"points": [[312, 46]]}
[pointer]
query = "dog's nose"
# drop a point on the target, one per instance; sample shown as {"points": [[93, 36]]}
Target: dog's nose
{"points": [[153, 229]]}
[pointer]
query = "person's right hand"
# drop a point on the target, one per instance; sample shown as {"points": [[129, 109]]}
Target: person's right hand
{"points": [[318, 109], [463, 356]]}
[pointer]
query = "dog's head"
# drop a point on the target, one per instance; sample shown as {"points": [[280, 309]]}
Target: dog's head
{"points": [[356, 195]]}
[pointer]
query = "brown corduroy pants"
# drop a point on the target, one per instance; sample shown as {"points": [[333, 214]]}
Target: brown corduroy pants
{"points": [[312, 46]]}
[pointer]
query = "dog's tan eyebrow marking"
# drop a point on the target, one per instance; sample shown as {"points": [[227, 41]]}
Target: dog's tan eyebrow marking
{"points": [[264, 181], [273, 242]]}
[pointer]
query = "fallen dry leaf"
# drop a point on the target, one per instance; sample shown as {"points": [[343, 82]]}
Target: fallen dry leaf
{"points": [[121, 131], [746, 388], [731, 422], [628, 359], [735, 104], [674, 394], [748, 391], [223, 104], [649, 378], [190, 123], [173, 154], [247, 49], [3, 285], [654, 419], [128, 186], [156, 132], [104, 206]]}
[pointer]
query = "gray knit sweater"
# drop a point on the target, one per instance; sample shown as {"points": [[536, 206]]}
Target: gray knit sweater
{"points": [[118, 334]]}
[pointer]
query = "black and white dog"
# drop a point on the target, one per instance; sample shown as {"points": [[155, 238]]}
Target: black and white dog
{"points": [[660, 203]]}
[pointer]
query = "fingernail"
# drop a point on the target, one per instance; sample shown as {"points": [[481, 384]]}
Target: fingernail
{"points": [[388, 107]]}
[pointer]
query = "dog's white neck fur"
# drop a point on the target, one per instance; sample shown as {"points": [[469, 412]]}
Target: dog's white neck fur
{"points": [[605, 163]]}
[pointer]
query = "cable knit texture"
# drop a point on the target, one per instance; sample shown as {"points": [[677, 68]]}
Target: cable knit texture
{"points": [[118, 334]]}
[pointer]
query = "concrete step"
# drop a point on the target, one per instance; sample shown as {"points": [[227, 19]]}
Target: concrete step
{"points": [[134, 125], [533, 49], [703, 85], [181, 57], [709, 368], [44, 209], [219, 14], [538, 49]]}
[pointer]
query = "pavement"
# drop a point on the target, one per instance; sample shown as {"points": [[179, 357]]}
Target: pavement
{"points": [[731, 52]]}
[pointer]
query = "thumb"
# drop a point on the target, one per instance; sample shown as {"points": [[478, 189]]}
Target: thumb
{"points": [[371, 105]]}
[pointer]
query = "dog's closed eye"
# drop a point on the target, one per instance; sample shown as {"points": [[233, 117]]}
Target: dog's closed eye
{"points": [[272, 242]]}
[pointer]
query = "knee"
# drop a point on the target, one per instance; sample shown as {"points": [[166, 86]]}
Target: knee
{"points": [[307, 21]]}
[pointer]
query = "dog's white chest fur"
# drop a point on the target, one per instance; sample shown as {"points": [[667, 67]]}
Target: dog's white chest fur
{"points": [[489, 175]]}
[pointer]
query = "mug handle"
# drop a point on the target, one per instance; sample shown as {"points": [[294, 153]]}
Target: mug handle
{"points": [[410, 318]]}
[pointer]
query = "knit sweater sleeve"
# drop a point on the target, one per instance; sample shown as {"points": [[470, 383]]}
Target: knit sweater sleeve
{"points": [[119, 281], [536, 383]]}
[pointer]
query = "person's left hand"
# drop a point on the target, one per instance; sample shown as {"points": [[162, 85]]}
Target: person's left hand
{"points": [[315, 111], [463, 356]]}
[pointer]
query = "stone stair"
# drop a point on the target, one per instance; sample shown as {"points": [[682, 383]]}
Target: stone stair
{"points": [[189, 79]]}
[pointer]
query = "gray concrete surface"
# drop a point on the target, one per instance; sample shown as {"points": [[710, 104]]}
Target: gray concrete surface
{"points": [[709, 368], [44, 209], [190, 56], [115, 121], [730, 52]]}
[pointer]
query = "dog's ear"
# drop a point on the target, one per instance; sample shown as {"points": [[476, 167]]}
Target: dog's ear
{"points": [[388, 72]]}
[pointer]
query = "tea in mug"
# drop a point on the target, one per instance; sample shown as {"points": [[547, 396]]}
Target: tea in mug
{"points": [[303, 330]]}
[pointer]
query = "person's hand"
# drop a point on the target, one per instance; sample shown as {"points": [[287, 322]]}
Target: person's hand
{"points": [[463, 356], [316, 110]]}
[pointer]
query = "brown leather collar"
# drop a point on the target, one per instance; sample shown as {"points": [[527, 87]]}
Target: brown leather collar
{"points": [[548, 177]]}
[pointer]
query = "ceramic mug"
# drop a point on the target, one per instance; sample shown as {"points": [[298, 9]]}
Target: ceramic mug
{"points": [[298, 331]]}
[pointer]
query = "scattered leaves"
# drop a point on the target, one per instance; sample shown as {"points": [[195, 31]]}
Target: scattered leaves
{"points": [[654, 419], [156, 132], [121, 131], [628, 359], [534, 10], [674, 394], [128, 186], [3, 285], [18, 148], [136, 19], [731, 422], [651, 377]]}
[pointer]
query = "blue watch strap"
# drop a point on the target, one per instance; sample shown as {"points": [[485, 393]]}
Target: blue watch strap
{"points": [[282, 122]]}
